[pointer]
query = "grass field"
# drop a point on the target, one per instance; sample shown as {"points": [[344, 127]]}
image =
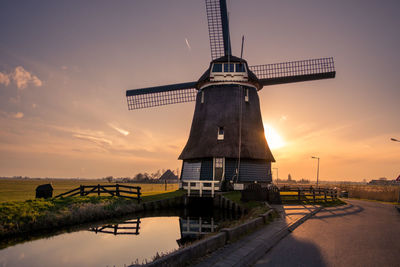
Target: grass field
{"points": [[386, 193], [21, 189]]}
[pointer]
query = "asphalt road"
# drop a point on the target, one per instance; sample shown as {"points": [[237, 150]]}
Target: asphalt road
{"points": [[361, 233]]}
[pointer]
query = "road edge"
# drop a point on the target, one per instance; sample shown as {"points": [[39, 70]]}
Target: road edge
{"points": [[259, 251]]}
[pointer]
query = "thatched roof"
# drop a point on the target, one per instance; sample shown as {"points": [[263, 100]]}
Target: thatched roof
{"points": [[221, 108], [168, 175]]}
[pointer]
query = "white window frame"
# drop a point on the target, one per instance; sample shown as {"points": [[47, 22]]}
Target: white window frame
{"points": [[220, 137]]}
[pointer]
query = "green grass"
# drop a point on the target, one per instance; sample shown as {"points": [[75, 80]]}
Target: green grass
{"points": [[38, 214], [160, 196], [24, 189], [235, 197]]}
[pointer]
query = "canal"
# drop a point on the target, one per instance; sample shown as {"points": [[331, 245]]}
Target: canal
{"points": [[136, 239]]}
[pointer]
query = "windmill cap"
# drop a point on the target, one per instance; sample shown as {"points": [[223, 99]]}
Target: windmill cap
{"points": [[252, 78], [230, 59]]}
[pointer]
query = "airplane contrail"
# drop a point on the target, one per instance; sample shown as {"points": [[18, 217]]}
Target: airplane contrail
{"points": [[188, 45]]}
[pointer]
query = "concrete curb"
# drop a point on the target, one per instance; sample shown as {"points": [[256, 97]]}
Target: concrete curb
{"points": [[203, 247], [228, 235], [180, 257], [257, 252]]}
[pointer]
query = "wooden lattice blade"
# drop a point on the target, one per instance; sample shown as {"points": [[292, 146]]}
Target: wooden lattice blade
{"points": [[295, 71], [161, 95]]}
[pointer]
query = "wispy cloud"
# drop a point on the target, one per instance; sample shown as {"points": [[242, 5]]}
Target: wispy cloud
{"points": [[20, 77], [4, 79], [12, 115], [97, 140], [118, 129], [188, 45], [18, 115]]}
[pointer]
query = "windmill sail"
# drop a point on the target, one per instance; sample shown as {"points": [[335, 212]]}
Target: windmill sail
{"points": [[218, 28], [161, 95], [295, 71]]}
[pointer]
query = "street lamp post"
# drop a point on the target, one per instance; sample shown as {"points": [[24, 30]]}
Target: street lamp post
{"points": [[394, 139], [317, 168]]}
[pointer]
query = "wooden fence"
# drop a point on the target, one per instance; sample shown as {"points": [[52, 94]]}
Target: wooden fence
{"points": [[307, 194], [126, 191], [123, 228]]}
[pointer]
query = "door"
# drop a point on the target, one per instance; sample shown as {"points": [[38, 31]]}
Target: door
{"points": [[218, 169]]}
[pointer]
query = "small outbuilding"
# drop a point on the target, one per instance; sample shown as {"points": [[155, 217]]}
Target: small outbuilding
{"points": [[169, 176], [44, 191]]}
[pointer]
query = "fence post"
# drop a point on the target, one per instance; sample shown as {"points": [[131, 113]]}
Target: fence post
{"points": [[117, 190], [298, 191], [325, 195], [137, 225], [314, 195], [82, 190], [138, 194], [98, 189]]}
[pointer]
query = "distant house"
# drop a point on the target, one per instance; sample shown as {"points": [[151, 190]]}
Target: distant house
{"points": [[169, 176]]}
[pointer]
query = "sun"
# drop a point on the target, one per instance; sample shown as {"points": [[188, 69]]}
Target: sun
{"points": [[273, 138]]}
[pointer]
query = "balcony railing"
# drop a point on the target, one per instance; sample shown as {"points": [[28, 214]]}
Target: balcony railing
{"points": [[200, 187]]}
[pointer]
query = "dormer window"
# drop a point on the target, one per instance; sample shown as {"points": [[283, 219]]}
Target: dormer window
{"points": [[217, 67], [240, 67], [220, 135], [229, 67], [228, 71]]}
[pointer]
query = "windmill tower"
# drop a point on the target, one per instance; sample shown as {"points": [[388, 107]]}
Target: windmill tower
{"points": [[227, 146]]}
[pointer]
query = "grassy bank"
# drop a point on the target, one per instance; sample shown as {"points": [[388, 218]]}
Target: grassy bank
{"points": [[24, 189], [18, 217]]}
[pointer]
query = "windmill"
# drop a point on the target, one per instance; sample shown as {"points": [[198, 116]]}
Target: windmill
{"points": [[227, 147]]}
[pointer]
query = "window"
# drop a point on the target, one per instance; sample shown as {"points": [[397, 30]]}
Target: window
{"points": [[229, 67], [240, 67], [246, 95], [219, 162], [220, 133], [217, 67]]}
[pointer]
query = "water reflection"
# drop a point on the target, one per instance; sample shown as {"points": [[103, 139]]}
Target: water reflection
{"points": [[129, 227], [117, 242]]}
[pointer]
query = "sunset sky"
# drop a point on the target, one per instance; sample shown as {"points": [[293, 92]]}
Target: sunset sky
{"points": [[65, 67]]}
